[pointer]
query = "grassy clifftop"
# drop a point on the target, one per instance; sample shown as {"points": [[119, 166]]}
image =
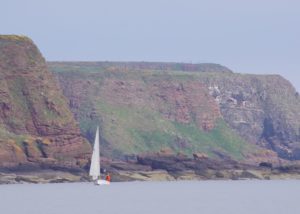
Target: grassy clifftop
{"points": [[139, 66]]}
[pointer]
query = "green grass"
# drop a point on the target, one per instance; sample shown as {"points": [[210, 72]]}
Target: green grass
{"points": [[221, 138], [134, 130], [153, 140]]}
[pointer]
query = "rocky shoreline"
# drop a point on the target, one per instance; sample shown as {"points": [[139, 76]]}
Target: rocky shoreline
{"points": [[155, 167], [49, 176]]}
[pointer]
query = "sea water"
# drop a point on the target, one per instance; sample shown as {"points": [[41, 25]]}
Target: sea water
{"points": [[184, 197]]}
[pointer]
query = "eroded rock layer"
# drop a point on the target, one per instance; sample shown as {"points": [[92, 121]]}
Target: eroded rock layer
{"points": [[36, 125]]}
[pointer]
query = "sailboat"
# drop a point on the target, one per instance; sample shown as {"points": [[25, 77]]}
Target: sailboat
{"points": [[95, 162]]}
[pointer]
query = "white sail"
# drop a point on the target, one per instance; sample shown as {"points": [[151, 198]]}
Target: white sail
{"points": [[95, 161]]}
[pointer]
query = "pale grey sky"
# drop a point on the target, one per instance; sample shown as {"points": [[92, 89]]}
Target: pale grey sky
{"points": [[248, 36]]}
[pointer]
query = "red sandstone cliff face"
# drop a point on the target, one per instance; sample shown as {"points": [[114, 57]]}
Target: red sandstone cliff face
{"points": [[263, 110], [183, 102], [145, 112], [36, 125]]}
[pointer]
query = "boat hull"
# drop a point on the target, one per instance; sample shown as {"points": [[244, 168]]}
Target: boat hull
{"points": [[102, 182]]}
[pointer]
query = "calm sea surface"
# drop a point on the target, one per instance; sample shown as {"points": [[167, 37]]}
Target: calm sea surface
{"points": [[201, 197]]}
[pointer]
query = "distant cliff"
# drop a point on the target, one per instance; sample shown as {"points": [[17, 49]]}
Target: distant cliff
{"points": [[144, 107], [200, 113], [36, 126]]}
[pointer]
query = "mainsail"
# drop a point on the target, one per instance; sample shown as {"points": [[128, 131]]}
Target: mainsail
{"points": [[95, 162]]}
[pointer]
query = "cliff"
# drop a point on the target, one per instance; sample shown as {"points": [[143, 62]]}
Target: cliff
{"points": [[36, 126], [263, 109], [174, 117], [144, 107]]}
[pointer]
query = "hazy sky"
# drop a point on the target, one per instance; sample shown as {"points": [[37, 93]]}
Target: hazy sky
{"points": [[248, 36]]}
